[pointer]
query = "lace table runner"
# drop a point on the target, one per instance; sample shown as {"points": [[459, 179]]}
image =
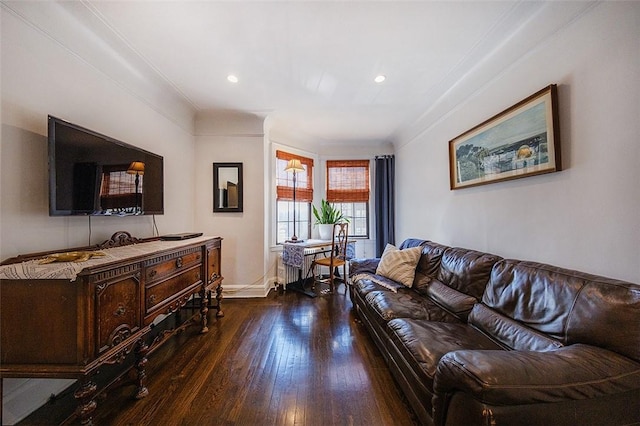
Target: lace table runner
{"points": [[32, 269]]}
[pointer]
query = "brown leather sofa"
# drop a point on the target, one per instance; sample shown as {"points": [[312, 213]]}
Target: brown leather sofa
{"points": [[480, 340]]}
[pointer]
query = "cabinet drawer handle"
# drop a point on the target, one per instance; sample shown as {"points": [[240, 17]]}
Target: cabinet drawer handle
{"points": [[120, 311], [179, 262], [152, 298], [152, 273]]}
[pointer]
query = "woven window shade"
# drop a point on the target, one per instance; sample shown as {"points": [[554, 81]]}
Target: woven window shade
{"points": [[347, 181], [284, 180], [116, 181]]}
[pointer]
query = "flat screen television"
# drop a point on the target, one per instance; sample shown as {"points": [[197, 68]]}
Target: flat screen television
{"points": [[93, 174]]}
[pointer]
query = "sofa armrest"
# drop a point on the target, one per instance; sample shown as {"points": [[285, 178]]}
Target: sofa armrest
{"points": [[362, 266], [525, 377]]}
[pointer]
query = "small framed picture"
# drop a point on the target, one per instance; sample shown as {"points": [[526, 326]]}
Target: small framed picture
{"points": [[227, 187]]}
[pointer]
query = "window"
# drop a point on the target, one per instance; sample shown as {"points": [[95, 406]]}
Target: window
{"points": [[348, 189], [284, 198], [119, 182], [284, 223], [358, 215]]}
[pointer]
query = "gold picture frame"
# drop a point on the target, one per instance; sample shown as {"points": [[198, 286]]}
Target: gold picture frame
{"points": [[521, 141]]}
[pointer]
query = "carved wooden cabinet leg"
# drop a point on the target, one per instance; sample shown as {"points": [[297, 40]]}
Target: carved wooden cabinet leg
{"points": [[204, 308], [85, 394], [219, 314], [141, 361]]}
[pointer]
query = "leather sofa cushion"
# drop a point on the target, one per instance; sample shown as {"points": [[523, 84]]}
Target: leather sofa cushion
{"points": [[467, 271], [534, 295], [452, 300], [570, 306], [428, 265], [510, 333], [422, 342], [606, 314], [405, 304]]}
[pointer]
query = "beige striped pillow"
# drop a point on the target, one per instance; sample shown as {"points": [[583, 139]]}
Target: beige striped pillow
{"points": [[399, 265]]}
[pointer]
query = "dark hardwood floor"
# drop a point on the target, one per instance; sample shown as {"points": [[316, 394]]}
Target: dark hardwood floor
{"points": [[282, 360]]}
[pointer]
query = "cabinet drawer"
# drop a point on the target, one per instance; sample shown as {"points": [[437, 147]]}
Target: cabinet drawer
{"points": [[163, 293], [213, 264], [118, 311], [169, 265]]}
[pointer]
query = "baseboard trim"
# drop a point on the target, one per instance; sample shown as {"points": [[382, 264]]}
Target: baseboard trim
{"points": [[238, 291]]}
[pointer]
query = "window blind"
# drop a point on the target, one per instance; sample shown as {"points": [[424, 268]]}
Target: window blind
{"points": [[347, 181], [116, 181], [284, 180]]}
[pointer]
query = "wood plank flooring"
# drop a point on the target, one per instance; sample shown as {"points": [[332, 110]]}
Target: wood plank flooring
{"points": [[282, 360]]}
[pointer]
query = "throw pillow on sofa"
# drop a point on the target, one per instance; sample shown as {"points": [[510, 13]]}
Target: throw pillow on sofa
{"points": [[399, 265]]}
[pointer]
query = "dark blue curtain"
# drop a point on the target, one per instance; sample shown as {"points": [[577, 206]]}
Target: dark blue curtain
{"points": [[385, 203]]}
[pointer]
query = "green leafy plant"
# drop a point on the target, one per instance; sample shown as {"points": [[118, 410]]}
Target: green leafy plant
{"points": [[328, 214]]}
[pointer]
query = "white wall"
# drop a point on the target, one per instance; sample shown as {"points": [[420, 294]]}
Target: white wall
{"points": [[584, 217], [41, 77], [225, 136]]}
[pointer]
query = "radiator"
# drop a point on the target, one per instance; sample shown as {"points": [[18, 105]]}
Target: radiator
{"points": [[288, 274], [280, 275]]}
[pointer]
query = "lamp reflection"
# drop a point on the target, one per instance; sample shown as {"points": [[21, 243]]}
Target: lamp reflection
{"points": [[137, 168]]}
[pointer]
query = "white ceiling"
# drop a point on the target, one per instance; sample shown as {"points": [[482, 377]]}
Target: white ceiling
{"points": [[308, 65]]}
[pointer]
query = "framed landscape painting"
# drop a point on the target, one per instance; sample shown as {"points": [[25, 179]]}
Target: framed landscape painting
{"points": [[523, 140]]}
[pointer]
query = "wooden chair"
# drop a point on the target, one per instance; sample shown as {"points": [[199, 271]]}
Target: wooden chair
{"points": [[337, 258]]}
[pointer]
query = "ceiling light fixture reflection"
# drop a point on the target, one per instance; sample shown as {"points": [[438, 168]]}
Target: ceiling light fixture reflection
{"points": [[232, 78], [380, 78]]}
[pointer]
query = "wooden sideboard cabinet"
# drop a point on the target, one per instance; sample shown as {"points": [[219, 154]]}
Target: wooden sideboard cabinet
{"points": [[69, 320]]}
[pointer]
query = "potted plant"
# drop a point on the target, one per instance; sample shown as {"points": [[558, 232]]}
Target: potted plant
{"points": [[326, 217]]}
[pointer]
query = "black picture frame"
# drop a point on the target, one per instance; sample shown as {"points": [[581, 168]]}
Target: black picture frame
{"points": [[227, 188]]}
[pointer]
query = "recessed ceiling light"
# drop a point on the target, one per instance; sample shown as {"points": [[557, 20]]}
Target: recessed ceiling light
{"points": [[232, 78], [380, 78]]}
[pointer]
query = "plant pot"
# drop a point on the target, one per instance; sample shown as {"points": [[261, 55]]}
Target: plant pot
{"points": [[325, 230]]}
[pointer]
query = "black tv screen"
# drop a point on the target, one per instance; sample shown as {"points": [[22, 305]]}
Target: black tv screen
{"points": [[93, 174]]}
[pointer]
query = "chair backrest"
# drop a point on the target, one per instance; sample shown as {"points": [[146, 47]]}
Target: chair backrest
{"points": [[340, 236]]}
